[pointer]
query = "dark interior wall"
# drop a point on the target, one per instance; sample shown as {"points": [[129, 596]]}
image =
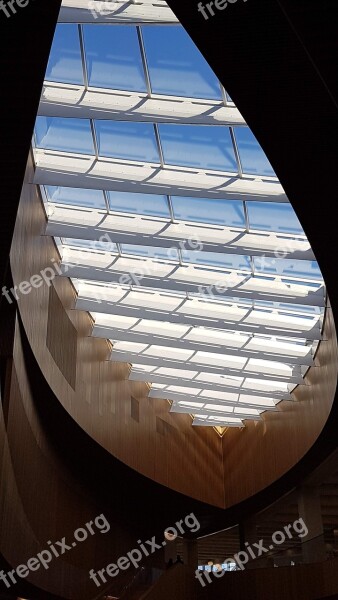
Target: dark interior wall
{"points": [[25, 41], [44, 499], [301, 582]]}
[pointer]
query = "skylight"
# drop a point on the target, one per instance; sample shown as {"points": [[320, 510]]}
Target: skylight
{"points": [[170, 220]]}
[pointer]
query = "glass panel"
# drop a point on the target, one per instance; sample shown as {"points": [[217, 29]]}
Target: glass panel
{"points": [[76, 196], [66, 135], [302, 269], [65, 65], [150, 252], [176, 66], [208, 147], [205, 210], [229, 261], [270, 216], [140, 204], [130, 141], [90, 245], [113, 57], [254, 161]]}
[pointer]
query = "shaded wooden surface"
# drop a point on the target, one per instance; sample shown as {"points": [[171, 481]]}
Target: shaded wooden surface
{"points": [[302, 582], [184, 458], [190, 460], [262, 452], [42, 499]]}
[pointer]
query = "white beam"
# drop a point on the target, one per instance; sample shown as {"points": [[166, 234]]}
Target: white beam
{"points": [[209, 281], [152, 304], [209, 382], [265, 370], [83, 171], [92, 224], [75, 101], [214, 413], [116, 12], [293, 354], [181, 399], [221, 423]]}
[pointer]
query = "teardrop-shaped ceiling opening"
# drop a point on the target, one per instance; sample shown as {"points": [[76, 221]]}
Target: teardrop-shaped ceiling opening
{"points": [[169, 218]]}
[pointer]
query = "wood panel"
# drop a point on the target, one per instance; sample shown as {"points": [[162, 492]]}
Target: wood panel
{"points": [[264, 451], [100, 402], [42, 499], [190, 460], [301, 582], [59, 329]]}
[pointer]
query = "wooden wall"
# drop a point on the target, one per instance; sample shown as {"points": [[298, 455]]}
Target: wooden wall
{"points": [[96, 392], [42, 499], [194, 461], [262, 452], [301, 582]]}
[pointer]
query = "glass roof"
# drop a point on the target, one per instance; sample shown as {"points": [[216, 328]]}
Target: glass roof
{"points": [[113, 61], [176, 67], [216, 301]]}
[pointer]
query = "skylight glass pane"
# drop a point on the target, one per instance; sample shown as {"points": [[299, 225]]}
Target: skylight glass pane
{"points": [[76, 197], [208, 147], [90, 245], [66, 135], [150, 252], [113, 57], [177, 68], [130, 141], [228, 261], [253, 159], [153, 205], [302, 269], [270, 216], [205, 210], [64, 63]]}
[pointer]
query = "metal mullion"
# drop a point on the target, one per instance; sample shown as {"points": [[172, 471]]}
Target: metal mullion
{"points": [[237, 155], [144, 60], [224, 95], [171, 209], [246, 215], [93, 132], [34, 140], [118, 246], [159, 144], [106, 199], [252, 264], [83, 57]]}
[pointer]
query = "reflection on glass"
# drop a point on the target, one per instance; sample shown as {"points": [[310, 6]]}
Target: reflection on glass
{"points": [[170, 254], [76, 197], [302, 269], [253, 159], [177, 68], [131, 141], [228, 261], [205, 210], [113, 57], [270, 216], [90, 245], [141, 204], [66, 135], [64, 64], [208, 147]]}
